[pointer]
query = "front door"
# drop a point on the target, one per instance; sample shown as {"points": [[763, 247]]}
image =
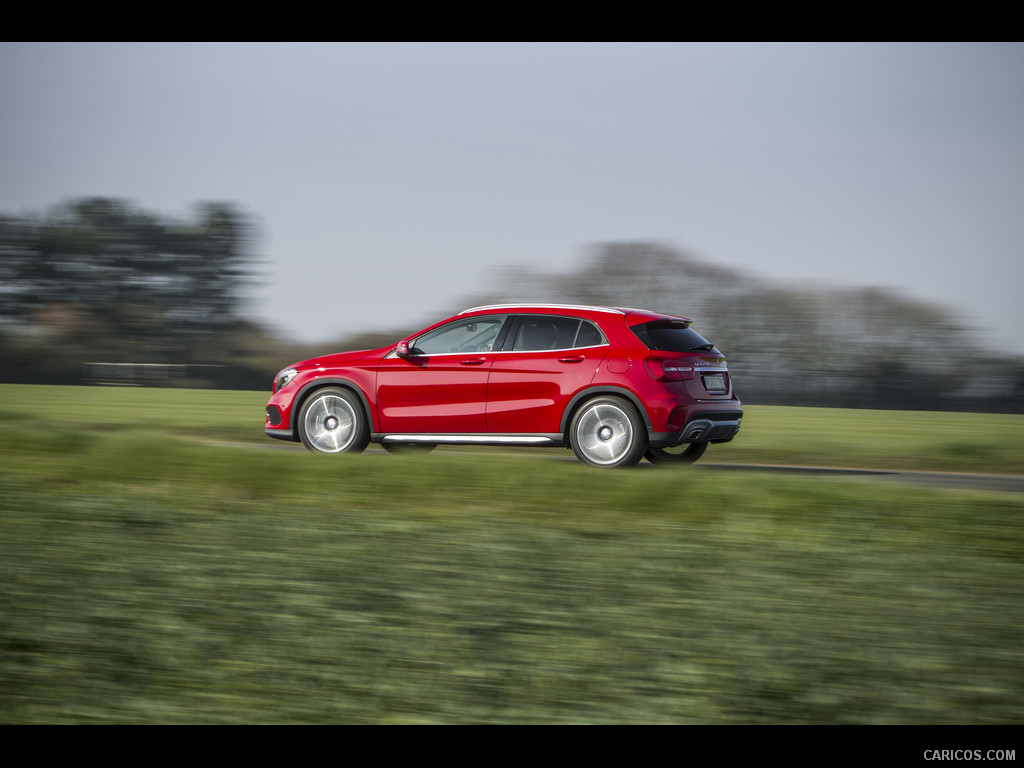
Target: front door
{"points": [[441, 386]]}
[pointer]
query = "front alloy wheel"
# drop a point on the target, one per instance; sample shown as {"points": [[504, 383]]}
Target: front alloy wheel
{"points": [[332, 421], [608, 432]]}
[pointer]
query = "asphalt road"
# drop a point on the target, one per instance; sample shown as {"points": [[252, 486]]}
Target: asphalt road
{"points": [[956, 480]]}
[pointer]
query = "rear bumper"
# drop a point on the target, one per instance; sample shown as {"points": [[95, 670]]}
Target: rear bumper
{"points": [[702, 426]]}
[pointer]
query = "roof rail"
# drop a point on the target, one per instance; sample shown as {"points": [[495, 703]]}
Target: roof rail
{"points": [[524, 305]]}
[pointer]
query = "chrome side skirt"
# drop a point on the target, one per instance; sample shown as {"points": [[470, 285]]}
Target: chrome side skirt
{"points": [[469, 439]]}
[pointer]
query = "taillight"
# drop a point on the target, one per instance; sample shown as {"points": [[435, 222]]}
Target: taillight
{"points": [[661, 369]]}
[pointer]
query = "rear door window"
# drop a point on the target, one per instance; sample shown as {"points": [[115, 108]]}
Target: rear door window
{"points": [[544, 332]]}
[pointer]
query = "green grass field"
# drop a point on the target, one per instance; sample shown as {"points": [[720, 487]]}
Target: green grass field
{"points": [[164, 562]]}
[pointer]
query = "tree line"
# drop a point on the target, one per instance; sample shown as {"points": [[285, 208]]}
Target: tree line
{"points": [[843, 347], [100, 281]]}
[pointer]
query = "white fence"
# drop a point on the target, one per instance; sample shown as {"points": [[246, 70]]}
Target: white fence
{"points": [[146, 374]]}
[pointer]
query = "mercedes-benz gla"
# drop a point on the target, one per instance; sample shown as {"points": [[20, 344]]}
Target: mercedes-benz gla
{"points": [[614, 385]]}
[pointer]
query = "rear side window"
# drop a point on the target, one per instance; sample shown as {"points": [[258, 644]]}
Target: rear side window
{"points": [[672, 336], [588, 335]]}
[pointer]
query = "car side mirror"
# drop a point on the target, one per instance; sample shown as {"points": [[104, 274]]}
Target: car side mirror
{"points": [[402, 350]]}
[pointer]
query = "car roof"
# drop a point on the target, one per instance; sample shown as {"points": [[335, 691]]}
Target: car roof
{"points": [[634, 315]]}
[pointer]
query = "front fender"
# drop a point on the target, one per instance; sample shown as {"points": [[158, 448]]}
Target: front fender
{"points": [[328, 381]]}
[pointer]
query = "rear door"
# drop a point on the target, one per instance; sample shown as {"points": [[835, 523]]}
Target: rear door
{"points": [[546, 359]]}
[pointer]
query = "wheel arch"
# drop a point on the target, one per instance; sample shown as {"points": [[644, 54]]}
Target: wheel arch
{"points": [[584, 395], [317, 384]]}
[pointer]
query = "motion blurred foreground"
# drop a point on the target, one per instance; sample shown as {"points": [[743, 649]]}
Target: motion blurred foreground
{"points": [[160, 573]]}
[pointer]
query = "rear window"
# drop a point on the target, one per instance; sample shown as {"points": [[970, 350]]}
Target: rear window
{"points": [[672, 336]]}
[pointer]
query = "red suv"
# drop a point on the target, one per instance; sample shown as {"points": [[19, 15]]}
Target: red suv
{"points": [[615, 385]]}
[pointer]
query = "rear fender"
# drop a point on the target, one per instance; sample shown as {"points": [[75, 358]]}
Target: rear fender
{"points": [[581, 397]]}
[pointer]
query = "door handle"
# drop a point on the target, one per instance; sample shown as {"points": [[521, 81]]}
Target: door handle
{"points": [[574, 359], [473, 361]]}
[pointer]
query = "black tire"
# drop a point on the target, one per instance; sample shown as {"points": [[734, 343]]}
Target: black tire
{"points": [[608, 432], [332, 420], [687, 453]]}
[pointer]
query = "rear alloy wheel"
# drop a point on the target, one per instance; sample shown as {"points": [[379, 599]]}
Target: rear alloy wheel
{"points": [[687, 453], [608, 432], [333, 421]]}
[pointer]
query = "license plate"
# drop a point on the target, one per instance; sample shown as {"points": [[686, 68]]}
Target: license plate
{"points": [[714, 381]]}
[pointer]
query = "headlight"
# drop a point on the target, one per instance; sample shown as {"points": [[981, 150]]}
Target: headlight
{"points": [[283, 378]]}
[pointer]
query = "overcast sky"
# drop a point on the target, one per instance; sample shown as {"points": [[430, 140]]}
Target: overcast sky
{"points": [[389, 181]]}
